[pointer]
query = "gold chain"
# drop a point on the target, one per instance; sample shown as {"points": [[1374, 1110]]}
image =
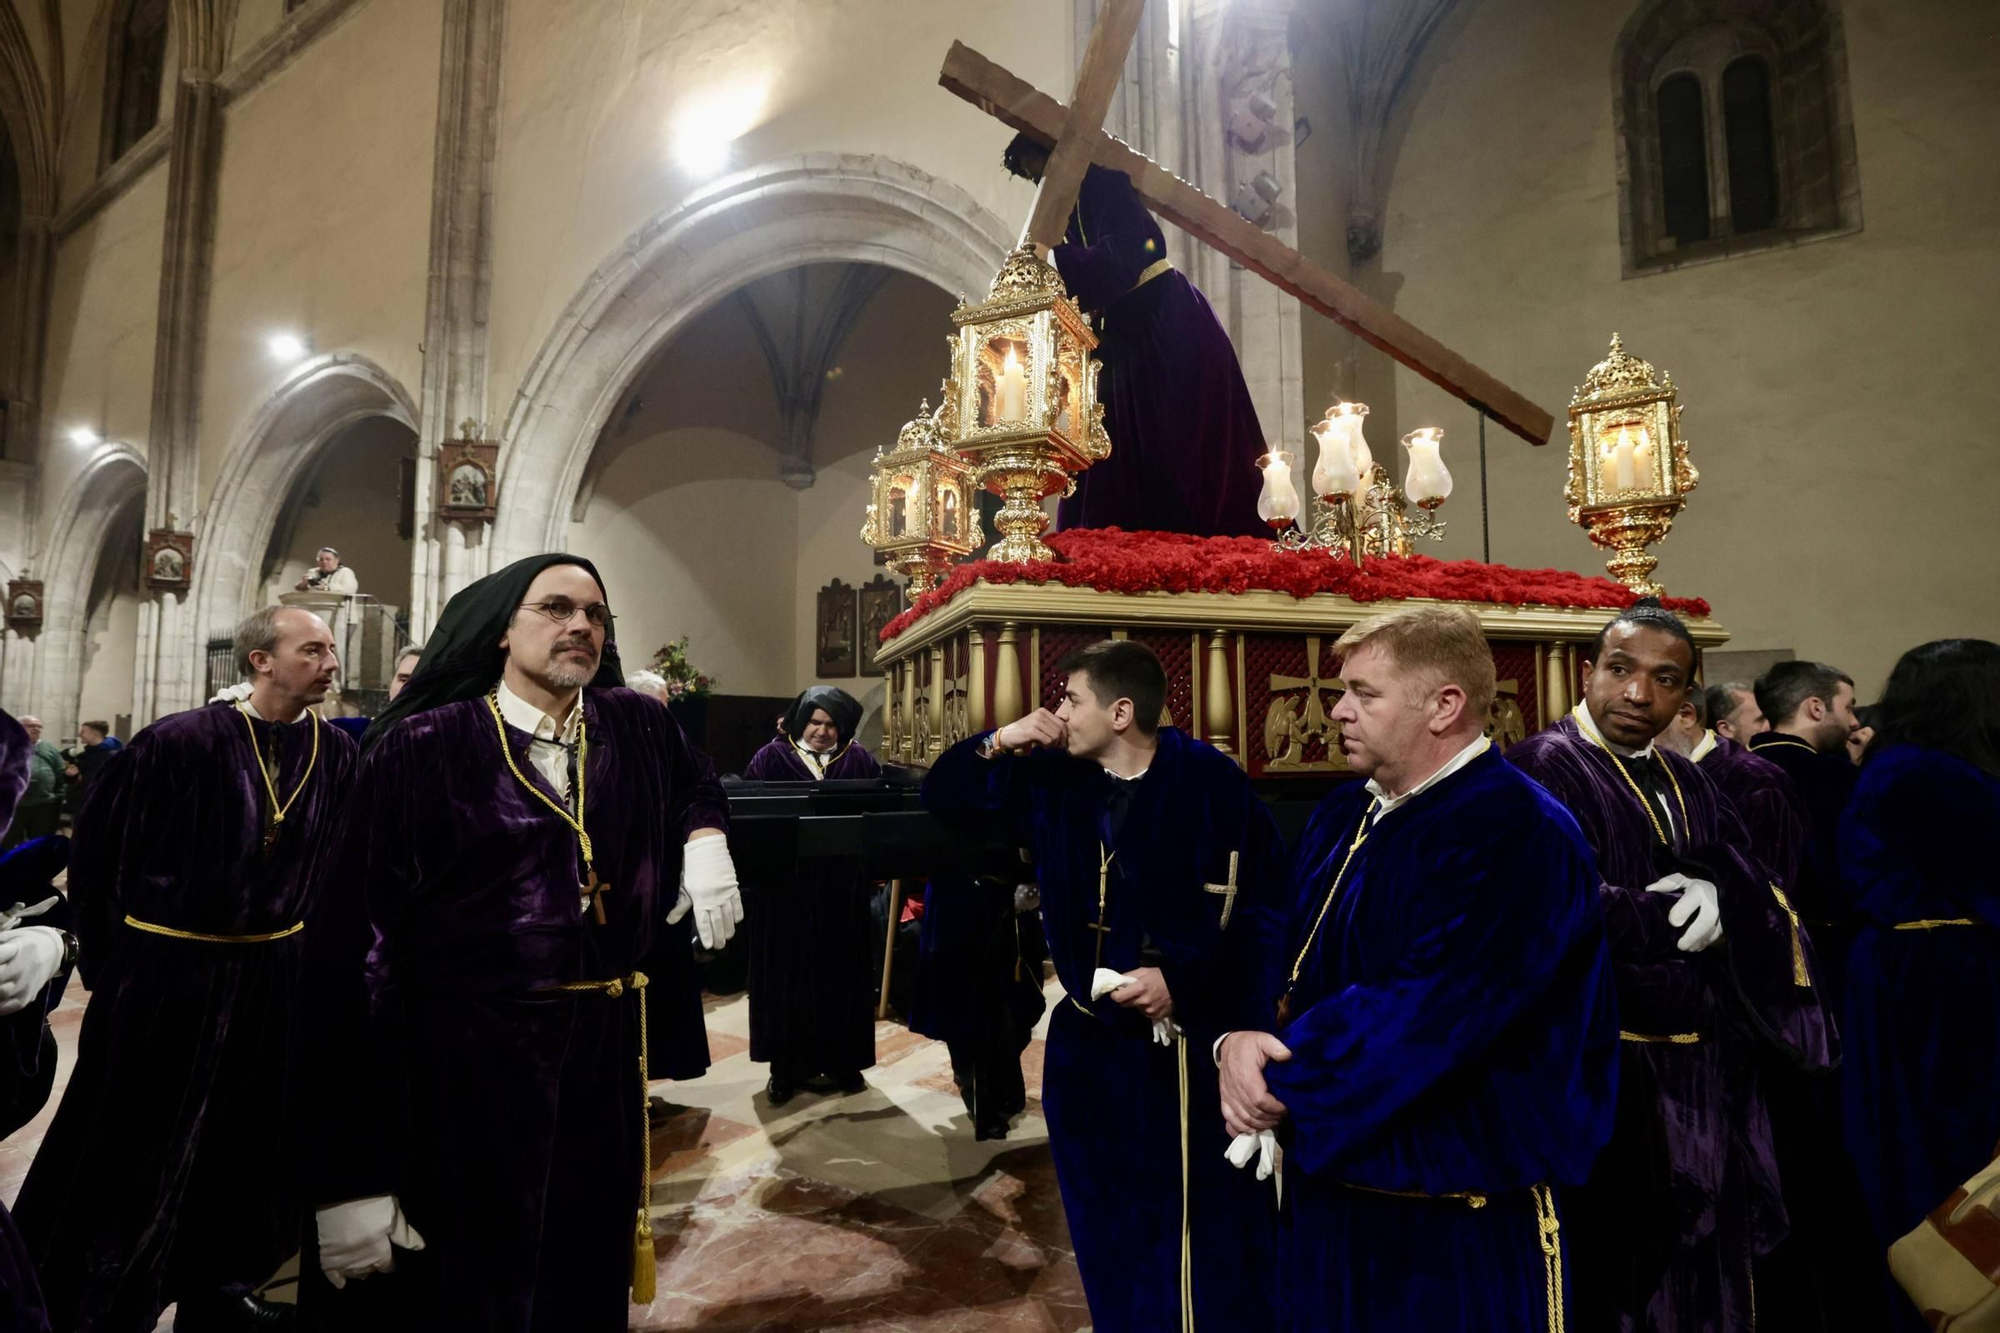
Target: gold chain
{"points": [[1360, 836], [1645, 803], [278, 812], [582, 758], [1768, 745]]}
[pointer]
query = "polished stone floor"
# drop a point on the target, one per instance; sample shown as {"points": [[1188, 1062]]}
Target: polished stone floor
{"points": [[875, 1213]]}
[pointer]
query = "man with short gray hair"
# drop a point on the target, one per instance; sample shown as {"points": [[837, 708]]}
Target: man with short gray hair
{"points": [[165, 1175]]}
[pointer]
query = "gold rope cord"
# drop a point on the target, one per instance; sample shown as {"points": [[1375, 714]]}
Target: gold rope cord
{"points": [[1666, 1038], [1800, 977], [1932, 923], [582, 761], [1187, 1246], [278, 811], [1644, 803], [1552, 1262], [202, 938], [1298, 964]]}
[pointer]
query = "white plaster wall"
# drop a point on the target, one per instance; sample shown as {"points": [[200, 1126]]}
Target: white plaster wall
{"points": [[1837, 395], [591, 95], [323, 213]]}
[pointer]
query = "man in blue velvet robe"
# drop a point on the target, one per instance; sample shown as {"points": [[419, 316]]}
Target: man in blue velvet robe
{"points": [[1159, 872], [166, 1174], [1445, 1057], [473, 990], [35, 959], [1688, 1191], [1184, 434], [814, 960]]}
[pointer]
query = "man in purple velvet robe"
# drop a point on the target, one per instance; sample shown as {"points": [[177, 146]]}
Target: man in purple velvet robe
{"points": [[36, 954], [812, 1007], [167, 1173], [1445, 1056], [1159, 871], [1765, 800], [1688, 1191], [1921, 1019], [1184, 434], [473, 994]]}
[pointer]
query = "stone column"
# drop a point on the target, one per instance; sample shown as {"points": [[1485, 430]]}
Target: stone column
{"points": [[461, 277]]}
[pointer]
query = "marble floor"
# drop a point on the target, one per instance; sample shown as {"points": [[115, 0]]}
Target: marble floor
{"points": [[875, 1213]]}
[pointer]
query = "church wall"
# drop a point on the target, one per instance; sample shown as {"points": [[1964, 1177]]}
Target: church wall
{"points": [[1836, 393], [693, 533], [323, 213], [355, 514], [592, 97], [103, 311]]}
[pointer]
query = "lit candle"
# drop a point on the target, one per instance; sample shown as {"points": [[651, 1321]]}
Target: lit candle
{"points": [[1278, 504], [1617, 471], [1642, 458], [1010, 398], [1334, 475], [1428, 481]]}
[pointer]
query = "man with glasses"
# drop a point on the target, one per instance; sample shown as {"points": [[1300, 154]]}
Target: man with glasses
{"points": [[475, 979]]}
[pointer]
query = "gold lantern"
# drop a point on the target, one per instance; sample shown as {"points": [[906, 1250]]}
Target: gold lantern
{"points": [[1628, 465], [924, 513], [1021, 403]]}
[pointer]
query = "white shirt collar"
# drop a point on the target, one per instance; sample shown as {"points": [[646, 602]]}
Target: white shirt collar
{"points": [[251, 709], [524, 716], [1384, 802], [1703, 748], [1588, 726]]}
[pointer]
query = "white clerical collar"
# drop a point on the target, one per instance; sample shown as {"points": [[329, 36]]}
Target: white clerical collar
{"points": [[524, 716], [816, 762], [1703, 748], [1588, 726], [1384, 802]]}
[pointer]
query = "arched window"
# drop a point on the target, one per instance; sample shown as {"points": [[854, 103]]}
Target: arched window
{"points": [[1734, 124], [135, 70]]}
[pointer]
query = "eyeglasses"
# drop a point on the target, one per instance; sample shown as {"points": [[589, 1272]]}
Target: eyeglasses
{"points": [[562, 609]]}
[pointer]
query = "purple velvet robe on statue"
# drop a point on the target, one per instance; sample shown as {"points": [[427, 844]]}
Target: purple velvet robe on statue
{"points": [[168, 1169], [1921, 1085], [27, 1048], [814, 961], [505, 1116], [1687, 1192], [1184, 434], [1124, 1112], [1454, 1031]]}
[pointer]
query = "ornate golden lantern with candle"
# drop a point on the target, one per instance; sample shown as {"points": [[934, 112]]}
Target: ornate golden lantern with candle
{"points": [[1021, 404], [1628, 466], [923, 514]]}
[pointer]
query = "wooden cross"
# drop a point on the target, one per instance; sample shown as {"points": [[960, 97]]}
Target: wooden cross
{"points": [[1227, 890], [1103, 896], [594, 891], [1079, 140]]}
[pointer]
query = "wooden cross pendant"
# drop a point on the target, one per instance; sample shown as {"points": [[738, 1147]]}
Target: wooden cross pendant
{"points": [[594, 891], [1226, 890], [1103, 898]]}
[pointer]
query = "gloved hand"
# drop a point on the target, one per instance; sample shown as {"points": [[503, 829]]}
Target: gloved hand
{"points": [[1103, 981], [709, 877], [232, 694], [355, 1237], [29, 956], [1263, 1145], [1698, 904]]}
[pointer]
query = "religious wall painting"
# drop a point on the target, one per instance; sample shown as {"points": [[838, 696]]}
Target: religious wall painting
{"points": [[881, 601], [1505, 722], [468, 490], [24, 605], [168, 560], [835, 631]]}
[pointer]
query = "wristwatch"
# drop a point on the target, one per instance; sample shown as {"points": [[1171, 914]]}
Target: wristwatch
{"points": [[70, 950]]}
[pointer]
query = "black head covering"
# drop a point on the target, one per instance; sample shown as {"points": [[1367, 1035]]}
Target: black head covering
{"points": [[842, 707], [463, 656]]}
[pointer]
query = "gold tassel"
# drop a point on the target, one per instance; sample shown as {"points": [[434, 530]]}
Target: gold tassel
{"points": [[643, 1275]]}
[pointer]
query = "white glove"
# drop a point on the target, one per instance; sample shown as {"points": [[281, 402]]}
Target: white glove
{"points": [[232, 694], [710, 877], [1103, 981], [355, 1237], [1699, 903], [29, 956], [1263, 1145]]}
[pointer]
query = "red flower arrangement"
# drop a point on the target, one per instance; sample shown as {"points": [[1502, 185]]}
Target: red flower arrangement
{"points": [[1112, 560]]}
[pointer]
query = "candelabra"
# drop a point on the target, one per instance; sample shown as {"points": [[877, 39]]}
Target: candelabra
{"points": [[1357, 510]]}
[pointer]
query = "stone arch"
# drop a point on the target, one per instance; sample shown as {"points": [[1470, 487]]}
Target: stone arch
{"points": [[110, 483], [817, 208], [317, 400]]}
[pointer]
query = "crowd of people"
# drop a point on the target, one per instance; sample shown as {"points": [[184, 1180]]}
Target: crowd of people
{"points": [[1674, 1016]]}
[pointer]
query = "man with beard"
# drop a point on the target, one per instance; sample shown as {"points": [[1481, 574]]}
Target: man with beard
{"points": [[165, 1175], [475, 989], [1687, 1190], [810, 1012], [1159, 871]]}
